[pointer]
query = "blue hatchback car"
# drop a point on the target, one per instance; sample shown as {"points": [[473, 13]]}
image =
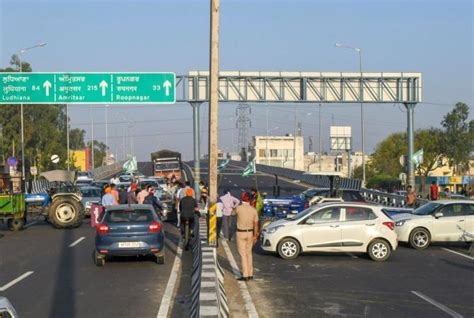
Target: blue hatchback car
{"points": [[129, 230]]}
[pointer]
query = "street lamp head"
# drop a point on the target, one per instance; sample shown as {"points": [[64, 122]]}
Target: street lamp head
{"points": [[42, 44], [357, 50], [338, 44]]}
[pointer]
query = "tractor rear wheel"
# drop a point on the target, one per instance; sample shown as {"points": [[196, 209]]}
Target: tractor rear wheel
{"points": [[65, 213]]}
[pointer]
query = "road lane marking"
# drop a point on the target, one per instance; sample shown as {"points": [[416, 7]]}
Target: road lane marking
{"points": [[16, 280], [457, 253], [30, 224], [249, 305], [170, 287], [450, 312], [77, 241]]}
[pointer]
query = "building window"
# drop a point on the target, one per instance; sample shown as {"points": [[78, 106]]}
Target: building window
{"points": [[261, 153]]}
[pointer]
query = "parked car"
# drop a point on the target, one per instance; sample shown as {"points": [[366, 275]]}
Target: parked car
{"points": [[129, 230], [162, 182], [333, 227], [316, 193], [85, 176], [99, 183], [6, 309], [436, 221], [90, 195]]}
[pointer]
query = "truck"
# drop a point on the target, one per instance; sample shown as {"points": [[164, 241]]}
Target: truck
{"points": [[166, 163], [53, 196]]}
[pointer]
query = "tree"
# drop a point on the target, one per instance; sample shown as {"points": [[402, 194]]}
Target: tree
{"points": [[386, 158], [431, 141], [76, 138], [458, 137], [99, 152]]}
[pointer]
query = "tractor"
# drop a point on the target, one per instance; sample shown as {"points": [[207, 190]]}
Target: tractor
{"points": [[53, 196]]}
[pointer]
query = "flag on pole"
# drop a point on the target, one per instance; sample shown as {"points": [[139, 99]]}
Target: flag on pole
{"points": [[418, 158], [250, 169], [222, 165], [130, 165]]}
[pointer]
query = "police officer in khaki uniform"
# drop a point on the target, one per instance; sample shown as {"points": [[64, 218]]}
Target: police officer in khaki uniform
{"points": [[247, 234]]}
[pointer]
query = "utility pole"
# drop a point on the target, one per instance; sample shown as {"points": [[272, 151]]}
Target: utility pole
{"points": [[92, 145], [320, 141], [67, 138], [213, 99]]}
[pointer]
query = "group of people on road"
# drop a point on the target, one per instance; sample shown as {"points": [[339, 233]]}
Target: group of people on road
{"points": [[240, 217], [146, 195]]}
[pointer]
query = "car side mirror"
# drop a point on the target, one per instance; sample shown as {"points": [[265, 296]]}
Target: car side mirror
{"points": [[438, 215], [310, 221]]}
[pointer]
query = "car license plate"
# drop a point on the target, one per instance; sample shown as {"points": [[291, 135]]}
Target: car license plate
{"points": [[129, 244]]}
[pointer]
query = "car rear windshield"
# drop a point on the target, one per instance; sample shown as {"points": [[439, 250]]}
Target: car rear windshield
{"points": [[91, 192], [125, 216]]}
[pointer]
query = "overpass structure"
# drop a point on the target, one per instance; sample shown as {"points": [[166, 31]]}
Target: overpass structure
{"points": [[305, 87]]}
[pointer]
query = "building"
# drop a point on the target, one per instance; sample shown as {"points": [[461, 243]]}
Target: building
{"points": [[336, 162], [279, 151]]}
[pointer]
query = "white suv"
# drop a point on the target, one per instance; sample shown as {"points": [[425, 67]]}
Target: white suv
{"points": [[436, 221], [333, 227]]}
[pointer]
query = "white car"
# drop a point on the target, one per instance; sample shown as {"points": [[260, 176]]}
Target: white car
{"points": [[333, 227], [436, 221], [84, 176], [6, 309]]}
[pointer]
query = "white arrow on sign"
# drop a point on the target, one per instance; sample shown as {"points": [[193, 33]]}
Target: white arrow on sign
{"points": [[103, 85], [167, 85], [47, 85]]}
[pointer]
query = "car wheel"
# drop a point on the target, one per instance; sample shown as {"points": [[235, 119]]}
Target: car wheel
{"points": [[99, 259], [160, 258], [420, 238], [15, 224], [379, 250], [289, 248]]}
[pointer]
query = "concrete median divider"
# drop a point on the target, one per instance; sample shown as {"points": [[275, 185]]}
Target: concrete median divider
{"points": [[208, 297]]}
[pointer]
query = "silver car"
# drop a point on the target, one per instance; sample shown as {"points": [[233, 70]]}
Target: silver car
{"points": [[6, 309], [333, 227], [90, 195]]}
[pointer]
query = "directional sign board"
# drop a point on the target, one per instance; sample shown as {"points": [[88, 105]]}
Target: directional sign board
{"points": [[87, 88]]}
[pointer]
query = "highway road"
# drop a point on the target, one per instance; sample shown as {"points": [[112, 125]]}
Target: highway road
{"points": [[431, 283]]}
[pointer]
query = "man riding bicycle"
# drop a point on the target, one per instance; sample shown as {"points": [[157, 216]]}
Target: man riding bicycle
{"points": [[189, 208]]}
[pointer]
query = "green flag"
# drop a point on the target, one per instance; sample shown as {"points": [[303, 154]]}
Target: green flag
{"points": [[250, 169], [222, 165], [130, 165], [418, 158]]}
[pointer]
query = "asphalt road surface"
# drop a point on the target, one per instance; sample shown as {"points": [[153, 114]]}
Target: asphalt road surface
{"points": [[431, 283]]}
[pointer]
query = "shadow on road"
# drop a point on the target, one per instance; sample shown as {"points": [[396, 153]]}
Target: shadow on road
{"points": [[63, 303]]}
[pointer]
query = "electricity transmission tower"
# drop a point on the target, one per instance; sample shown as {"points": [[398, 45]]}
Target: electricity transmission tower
{"points": [[243, 123]]}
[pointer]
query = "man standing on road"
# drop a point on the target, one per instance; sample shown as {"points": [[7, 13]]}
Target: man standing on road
{"points": [[411, 197], [115, 193], [433, 191], [132, 195], [247, 234], [123, 195], [229, 203], [108, 199], [142, 194]]}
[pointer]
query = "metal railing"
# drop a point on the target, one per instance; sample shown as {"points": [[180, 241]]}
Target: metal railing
{"points": [[389, 199], [107, 171]]}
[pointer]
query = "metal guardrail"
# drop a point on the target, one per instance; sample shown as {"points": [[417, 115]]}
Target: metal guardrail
{"points": [[389, 199], [314, 180], [107, 171]]}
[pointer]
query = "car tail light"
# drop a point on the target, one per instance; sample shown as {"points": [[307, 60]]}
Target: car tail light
{"points": [[306, 204], [390, 225], [154, 227], [103, 229]]}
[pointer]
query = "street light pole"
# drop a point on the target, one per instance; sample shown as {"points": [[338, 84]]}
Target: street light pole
{"points": [[22, 125], [320, 141], [362, 126]]}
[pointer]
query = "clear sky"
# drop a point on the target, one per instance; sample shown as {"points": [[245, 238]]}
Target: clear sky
{"points": [[434, 37]]}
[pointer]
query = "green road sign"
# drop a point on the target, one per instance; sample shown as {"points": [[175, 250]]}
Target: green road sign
{"points": [[87, 88]]}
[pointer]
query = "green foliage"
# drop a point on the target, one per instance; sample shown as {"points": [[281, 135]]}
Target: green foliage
{"points": [[385, 159], [383, 181], [458, 136], [76, 139], [99, 152]]}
